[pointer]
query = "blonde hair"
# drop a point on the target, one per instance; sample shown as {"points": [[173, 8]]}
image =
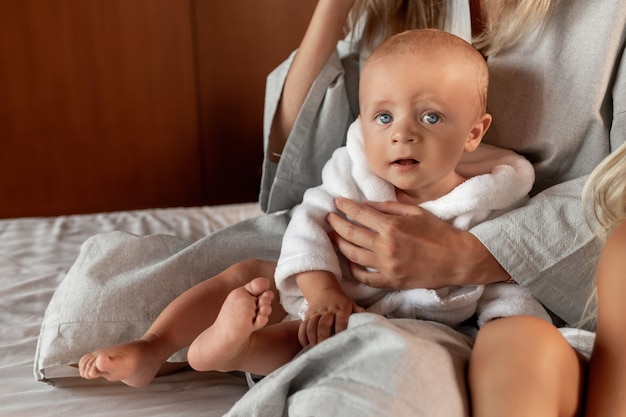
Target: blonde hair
{"points": [[506, 21], [604, 193], [604, 203], [384, 18], [437, 42]]}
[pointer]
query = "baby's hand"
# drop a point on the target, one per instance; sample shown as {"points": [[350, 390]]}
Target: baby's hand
{"points": [[328, 313]]}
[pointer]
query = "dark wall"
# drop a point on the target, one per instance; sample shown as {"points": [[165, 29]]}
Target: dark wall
{"points": [[124, 104]]}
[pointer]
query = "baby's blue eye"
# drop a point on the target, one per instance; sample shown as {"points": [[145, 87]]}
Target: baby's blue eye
{"points": [[384, 118], [431, 118]]}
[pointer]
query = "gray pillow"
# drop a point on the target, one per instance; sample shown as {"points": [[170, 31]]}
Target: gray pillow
{"points": [[116, 288], [121, 282]]}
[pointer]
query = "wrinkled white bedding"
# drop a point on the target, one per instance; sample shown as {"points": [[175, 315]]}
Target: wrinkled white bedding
{"points": [[35, 254]]}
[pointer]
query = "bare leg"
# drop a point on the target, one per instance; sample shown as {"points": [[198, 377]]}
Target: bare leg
{"points": [[522, 366], [239, 340], [137, 363]]}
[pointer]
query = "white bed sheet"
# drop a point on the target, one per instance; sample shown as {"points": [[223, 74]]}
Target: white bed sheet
{"points": [[35, 254]]}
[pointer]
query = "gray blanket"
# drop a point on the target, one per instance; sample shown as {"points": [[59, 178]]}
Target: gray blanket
{"points": [[376, 368]]}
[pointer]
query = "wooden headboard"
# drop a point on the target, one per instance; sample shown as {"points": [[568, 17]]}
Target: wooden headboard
{"points": [[117, 104]]}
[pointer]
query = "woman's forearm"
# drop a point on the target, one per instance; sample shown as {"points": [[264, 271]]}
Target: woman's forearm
{"points": [[324, 31]]}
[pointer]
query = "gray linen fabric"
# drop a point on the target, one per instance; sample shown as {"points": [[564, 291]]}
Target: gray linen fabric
{"points": [[376, 368]]}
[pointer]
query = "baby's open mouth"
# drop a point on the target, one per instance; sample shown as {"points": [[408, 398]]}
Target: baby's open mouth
{"points": [[406, 161]]}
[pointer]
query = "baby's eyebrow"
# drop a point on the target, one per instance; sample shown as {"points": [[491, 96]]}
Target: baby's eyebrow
{"points": [[379, 103]]}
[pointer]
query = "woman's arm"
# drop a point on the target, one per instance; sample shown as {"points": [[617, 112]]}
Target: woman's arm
{"points": [[323, 33], [606, 392]]}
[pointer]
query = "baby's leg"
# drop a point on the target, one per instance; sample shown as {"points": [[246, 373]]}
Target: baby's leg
{"points": [[522, 366], [137, 363], [239, 340]]}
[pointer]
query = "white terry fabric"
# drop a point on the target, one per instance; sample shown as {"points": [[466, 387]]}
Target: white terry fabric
{"points": [[500, 180], [579, 339]]}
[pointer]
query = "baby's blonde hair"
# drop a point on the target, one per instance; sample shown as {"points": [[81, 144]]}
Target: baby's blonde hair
{"points": [[507, 21], [437, 42]]}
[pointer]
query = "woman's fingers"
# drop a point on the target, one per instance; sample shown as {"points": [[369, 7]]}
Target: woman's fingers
{"points": [[368, 276], [352, 252], [346, 228], [393, 208], [394, 245], [358, 235]]}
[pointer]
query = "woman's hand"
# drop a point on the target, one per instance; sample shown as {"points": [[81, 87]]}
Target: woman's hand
{"points": [[409, 247]]}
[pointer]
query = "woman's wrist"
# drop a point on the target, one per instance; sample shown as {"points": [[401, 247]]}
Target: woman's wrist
{"points": [[481, 266]]}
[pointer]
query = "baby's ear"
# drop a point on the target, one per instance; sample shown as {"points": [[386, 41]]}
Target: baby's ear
{"points": [[478, 131]]}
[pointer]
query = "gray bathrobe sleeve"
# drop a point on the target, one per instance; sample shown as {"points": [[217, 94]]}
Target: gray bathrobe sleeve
{"points": [[320, 128], [559, 99]]}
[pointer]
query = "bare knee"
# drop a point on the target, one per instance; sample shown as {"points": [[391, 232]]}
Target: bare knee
{"points": [[516, 340], [531, 355], [513, 348]]}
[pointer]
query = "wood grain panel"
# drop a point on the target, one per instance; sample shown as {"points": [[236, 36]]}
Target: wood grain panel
{"points": [[239, 43], [98, 106], [123, 104]]}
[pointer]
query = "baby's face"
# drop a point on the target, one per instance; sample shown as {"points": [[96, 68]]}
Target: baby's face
{"points": [[418, 117]]}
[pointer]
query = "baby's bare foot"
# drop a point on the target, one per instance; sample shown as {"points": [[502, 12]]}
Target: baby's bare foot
{"points": [[221, 346], [132, 363]]}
